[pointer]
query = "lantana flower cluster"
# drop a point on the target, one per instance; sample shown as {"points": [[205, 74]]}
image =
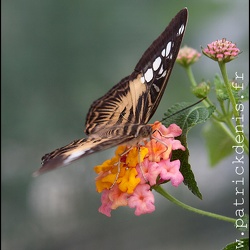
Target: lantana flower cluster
{"points": [[127, 179], [221, 50], [187, 56]]}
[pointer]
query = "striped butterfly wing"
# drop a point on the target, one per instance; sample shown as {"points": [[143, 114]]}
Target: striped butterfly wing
{"points": [[136, 97], [106, 138], [120, 116]]}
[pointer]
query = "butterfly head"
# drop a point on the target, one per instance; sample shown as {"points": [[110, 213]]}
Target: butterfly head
{"points": [[145, 131]]}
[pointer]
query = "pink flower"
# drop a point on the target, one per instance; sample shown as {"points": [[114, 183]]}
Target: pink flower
{"points": [[170, 132], [112, 199], [142, 200], [140, 168], [148, 172], [170, 171], [187, 56], [118, 197], [221, 51], [163, 142], [105, 208]]}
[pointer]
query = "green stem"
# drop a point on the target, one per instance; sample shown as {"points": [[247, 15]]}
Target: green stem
{"points": [[220, 119], [227, 119], [207, 104], [223, 69], [161, 191], [191, 75]]}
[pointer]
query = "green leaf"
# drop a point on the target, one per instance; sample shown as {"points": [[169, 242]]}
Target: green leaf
{"points": [[217, 140], [242, 244], [186, 117], [185, 169], [220, 89]]}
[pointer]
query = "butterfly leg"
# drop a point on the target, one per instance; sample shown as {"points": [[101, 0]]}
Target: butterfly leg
{"points": [[140, 165], [162, 135], [118, 172], [160, 141], [119, 166]]}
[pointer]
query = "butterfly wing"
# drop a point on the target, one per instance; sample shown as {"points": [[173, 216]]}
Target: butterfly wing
{"points": [[157, 63], [73, 151], [119, 115], [136, 97], [105, 139]]}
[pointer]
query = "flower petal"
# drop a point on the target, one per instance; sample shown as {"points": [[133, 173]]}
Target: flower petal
{"points": [[170, 171], [142, 200]]}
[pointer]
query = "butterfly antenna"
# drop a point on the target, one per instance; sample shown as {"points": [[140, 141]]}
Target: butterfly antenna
{"points": [[179, 111]]}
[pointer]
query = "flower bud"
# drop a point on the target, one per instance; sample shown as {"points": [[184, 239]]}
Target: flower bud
{"points": [[187, 56], [201, 90]]}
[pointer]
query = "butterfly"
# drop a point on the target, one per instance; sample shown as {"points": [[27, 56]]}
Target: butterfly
{"points": [[121, 115]]}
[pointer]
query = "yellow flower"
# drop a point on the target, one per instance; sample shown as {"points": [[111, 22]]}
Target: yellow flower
{"points": [[128, 182], [133, 156], [120, 169], [105, 180]]}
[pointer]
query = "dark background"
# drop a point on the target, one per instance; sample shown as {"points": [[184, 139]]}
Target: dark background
{"points": [[57, 58]]}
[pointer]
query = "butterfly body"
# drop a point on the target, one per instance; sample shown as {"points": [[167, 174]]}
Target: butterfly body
{"points": [[121, 115]]}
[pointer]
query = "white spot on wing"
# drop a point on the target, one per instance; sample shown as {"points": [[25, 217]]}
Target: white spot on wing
{"points": [[181, 29], [161, 70], [157, 63], [156, 88], [163, 53], [168, 48], [142, 79], [149, 75], [75, 155], [164, 73]]}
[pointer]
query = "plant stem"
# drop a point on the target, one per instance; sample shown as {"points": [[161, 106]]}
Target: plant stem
{"points": [[227, 119], [223, 69], [191, 75], [161, 191]]}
